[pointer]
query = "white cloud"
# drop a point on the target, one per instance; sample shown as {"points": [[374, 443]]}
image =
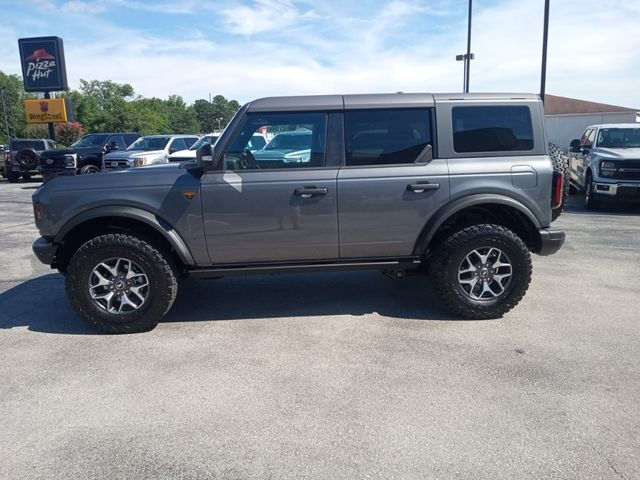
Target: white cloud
{"points": [[265, 48]]}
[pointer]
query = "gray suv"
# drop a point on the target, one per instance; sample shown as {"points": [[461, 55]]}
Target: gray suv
{"points": [[459, 186]]}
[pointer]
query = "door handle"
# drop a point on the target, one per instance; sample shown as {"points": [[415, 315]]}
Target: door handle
{"points": [[421, 187], [308, 192]]}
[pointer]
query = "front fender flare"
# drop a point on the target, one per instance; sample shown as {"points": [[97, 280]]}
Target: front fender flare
{"points": [[441, 216], [160, 225]]}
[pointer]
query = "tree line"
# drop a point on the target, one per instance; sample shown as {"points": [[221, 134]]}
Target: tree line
{"points": [[106, 106]]}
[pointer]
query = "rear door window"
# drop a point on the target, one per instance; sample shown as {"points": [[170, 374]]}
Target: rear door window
{"points": [[387, 136], [497, 128]]}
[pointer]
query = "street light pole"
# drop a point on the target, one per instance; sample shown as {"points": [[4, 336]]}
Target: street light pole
{"points": [[543, 73], [467, 57]]}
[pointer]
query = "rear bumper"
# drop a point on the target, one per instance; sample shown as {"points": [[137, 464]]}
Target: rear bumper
{"points": [[551, 241], [45, 250]]}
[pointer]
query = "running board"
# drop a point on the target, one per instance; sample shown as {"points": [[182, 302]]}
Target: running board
{"points": [[227, 271]]}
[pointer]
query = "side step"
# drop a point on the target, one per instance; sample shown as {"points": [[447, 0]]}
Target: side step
{"points": [[270, 269]]}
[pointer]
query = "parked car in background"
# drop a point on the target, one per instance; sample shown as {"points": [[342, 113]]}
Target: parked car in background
{"points": [[85, 155], [148, 150], [286, 147], [3, 155], [605, 163], [257, 142], [190, 152], [23, 156]]}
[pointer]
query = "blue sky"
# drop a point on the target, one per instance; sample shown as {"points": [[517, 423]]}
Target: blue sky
{"points": [[255, 48]]}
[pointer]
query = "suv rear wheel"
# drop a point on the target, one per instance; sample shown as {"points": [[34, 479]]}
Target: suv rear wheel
{"points": [[481, 271], [120, 283]]}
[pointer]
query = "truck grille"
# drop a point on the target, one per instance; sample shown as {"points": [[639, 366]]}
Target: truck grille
{"points": [[116, 163], [627, 170]]}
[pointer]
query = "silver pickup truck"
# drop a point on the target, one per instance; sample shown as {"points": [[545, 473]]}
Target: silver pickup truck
{"points": [[459, 186], [605, 163]]}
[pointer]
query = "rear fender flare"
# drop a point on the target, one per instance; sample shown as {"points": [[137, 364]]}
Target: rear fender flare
{"points": [[442, 215]]}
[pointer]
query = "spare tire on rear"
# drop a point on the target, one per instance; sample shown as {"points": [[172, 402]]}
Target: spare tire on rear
{"points": [[27, 159], [560, 165]]}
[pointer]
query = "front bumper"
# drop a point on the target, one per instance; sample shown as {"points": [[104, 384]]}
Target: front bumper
{"points": [[551, 241], [622, 189], [45, 250]]}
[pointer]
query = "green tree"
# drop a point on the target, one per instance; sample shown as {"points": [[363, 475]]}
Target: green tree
{"points": [[206, 115], [14, 95], [69, 132], [182, 119]]}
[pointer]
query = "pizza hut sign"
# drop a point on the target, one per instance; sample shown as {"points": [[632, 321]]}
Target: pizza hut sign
{"points": [[43, 66]]}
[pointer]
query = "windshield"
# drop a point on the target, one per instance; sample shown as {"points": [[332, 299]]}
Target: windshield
{"points": [[209, 139], [619, 137], [289, 141], [92, 140], [149, 143]]}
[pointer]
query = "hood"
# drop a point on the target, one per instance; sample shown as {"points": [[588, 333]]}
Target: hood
{"points": [[618, 153], [183, 154], [132, 154], [152, 175]]}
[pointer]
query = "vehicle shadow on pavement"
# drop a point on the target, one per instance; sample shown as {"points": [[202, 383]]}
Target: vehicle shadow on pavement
{"points": [[40, 305], [310, 294]]}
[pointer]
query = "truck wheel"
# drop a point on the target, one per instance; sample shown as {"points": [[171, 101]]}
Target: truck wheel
{"points": [[89, 169], [590, 203], [120, 283], [482, 271], [560, 165]]}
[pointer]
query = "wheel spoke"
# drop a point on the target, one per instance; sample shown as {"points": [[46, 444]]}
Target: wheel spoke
{"points": [[118, 285], [485, 273], [102, 281], [112, 270]]}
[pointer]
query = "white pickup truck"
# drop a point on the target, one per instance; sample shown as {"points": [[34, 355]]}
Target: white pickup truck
{"points": [[605, 163]]}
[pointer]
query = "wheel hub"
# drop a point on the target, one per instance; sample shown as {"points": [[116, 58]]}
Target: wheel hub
{"points": [[118, 285], [485, 273]]}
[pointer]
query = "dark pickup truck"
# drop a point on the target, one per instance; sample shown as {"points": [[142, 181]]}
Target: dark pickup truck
{"points": [[85, 155]]}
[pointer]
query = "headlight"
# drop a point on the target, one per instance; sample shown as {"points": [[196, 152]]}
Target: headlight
{"points": [[607, 169], [140, 161], [70, 161]]}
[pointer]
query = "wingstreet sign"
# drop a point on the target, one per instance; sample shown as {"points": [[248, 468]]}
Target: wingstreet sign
{"points": [[51, 110], [43, 65]]}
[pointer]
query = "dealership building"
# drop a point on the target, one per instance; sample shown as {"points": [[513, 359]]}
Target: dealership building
{"points": [[566, 118]]}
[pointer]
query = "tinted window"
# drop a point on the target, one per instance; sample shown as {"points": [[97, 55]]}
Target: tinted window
{"points": [[386, 137], [206, 140], [619, 137], [298, 141], [178, 144], [118, 140], [149, 143], [492, 129], [37, 145], [258, 142], [189, 141]]}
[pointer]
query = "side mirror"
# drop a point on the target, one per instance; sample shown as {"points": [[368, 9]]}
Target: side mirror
{"points": [[204, 157], [574, 146]]}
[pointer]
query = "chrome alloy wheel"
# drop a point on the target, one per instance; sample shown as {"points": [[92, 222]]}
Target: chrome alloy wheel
{"points": [[485, 273], [118, 285]]}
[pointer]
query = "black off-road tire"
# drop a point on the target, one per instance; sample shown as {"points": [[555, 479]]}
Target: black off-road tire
{"points": [[590, 203], [447, 260], [163, 284], [28, 159], [560, 165]]}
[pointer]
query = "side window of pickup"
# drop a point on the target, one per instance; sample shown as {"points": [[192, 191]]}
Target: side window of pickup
{"points": [[588, 138], [387, 137]]}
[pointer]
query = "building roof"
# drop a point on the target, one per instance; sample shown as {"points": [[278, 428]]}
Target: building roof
{"points": [[554, 105]]}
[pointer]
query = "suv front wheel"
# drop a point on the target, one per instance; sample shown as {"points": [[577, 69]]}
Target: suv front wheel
{"points": [[481, 271], [120, 283]]}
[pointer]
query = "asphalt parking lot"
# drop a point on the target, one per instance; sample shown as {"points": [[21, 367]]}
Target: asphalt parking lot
{"points": [[336, 376]]}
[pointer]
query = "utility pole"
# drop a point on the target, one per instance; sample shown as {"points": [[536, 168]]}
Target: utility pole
{"points": [[467, 57], [543, 74], [52, 130]]}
